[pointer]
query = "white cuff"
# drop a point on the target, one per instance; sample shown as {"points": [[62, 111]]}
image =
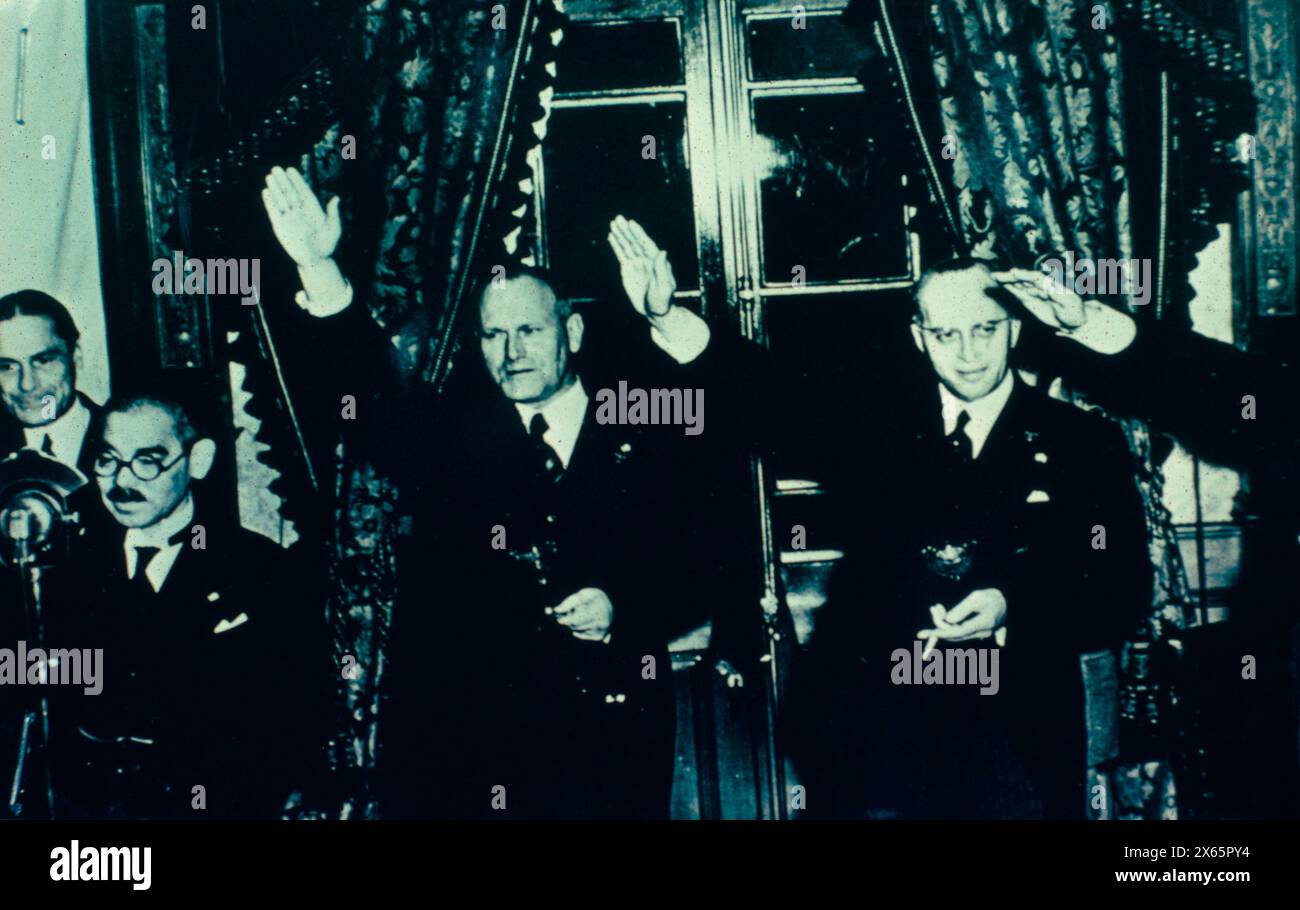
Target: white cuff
{"points": [[681, 334], [1106, 330], [325, 305]]}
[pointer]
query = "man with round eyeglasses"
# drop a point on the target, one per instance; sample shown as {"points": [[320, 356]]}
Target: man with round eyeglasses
{"points": [[1010, 531], [149, 458], [215, 696]]}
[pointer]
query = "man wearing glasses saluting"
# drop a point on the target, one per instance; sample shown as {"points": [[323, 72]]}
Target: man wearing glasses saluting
{"points": [[997, 519]]}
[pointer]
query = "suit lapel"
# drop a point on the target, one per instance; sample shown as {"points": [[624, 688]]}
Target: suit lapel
{"points": [[86, 455], [586, 449], [12, 437], [1004, 435], [11, 434]]}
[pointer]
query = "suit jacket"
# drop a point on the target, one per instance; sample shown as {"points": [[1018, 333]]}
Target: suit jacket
{"points": [[1022, 518], [1193, 388], [487, 689], [483, 688], [12, 437], [219, 680]]}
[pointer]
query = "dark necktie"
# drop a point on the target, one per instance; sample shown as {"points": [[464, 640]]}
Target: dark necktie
{"points": [[960, 442], [47, 447], [140, 581], [548, 460]]}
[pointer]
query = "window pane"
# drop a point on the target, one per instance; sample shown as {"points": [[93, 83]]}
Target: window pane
{"points": [[836, 343], [609, 55], [595, 170], [831, 201], [823, 47]]}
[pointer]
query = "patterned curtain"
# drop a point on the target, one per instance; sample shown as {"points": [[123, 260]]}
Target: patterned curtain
{"points": [[421, 116], [455, 100], [1017, 111]]}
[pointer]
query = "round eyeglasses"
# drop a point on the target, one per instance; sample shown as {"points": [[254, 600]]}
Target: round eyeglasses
{"points": [[144, 467]]}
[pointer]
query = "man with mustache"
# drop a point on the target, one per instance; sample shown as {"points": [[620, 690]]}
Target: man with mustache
{"points": [[214, 695], [39, 358]]}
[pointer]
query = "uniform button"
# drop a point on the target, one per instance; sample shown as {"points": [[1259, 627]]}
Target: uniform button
{"points": [[550, 519]]}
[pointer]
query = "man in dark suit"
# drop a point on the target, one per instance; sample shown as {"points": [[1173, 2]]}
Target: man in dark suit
{"points": [[992, 519], [39, 359], [563, 559], [215, 676], [554, 557]]}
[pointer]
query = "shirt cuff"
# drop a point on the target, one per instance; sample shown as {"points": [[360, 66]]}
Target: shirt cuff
{"points": [[1106, 330], [328, 305], [681, 334]]}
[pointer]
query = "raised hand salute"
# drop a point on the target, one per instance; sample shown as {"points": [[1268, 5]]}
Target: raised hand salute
{"points": [[309, 233], [644, 268]]}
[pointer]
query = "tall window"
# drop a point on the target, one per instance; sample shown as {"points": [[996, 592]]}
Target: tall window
{"points": [[737, 133]]}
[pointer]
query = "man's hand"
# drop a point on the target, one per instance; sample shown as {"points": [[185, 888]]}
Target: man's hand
{"points": [[587, 614], [646, 272], [1053, 305], [307, 232], [1102, 328], [979, 615]]}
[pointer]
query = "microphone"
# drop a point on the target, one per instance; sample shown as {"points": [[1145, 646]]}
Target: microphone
{"points": [[34, 516], [18, 525], [28, 518]]}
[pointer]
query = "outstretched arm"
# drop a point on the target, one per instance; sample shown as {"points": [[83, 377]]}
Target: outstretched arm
{"points": [[1185, 384], [757, 396]]}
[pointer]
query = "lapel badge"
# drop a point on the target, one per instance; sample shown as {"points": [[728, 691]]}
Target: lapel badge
{"points": [[623, 452], [950, 561]]}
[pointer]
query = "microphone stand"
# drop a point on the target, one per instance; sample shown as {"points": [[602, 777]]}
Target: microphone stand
{"points": [[34, 733], [35, 532]]}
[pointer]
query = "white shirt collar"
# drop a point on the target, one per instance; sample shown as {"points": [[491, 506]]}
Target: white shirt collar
{"points": [[984, 412], [159, 535], [66, 433], [564, 414]]}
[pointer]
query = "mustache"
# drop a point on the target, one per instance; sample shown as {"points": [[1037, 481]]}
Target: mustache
{"points": [[122, 494]]}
